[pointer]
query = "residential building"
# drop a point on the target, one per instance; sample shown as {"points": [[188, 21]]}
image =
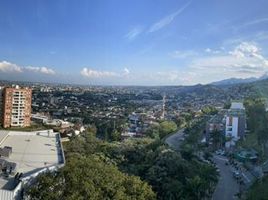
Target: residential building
{"points": [[16, 110], [236, 121]]}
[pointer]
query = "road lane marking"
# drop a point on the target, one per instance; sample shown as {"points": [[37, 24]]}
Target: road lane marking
{"points": [[246, 177]]}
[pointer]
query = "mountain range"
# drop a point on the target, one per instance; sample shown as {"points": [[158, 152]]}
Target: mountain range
{"points": [[233, 81]]}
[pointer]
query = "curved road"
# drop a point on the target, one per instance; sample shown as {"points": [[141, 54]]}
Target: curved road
{"points": [[175, 139], [227, 186]]}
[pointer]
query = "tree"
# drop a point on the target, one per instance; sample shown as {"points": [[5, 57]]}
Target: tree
{"points": [[167, 127], [45, 187], [90, 178], [153, 131], [209, 110], [179, 120], [116, 135], [218, 139], [257, 121]]}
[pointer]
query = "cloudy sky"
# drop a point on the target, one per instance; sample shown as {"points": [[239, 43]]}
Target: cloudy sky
{"points": [[126, 42]]}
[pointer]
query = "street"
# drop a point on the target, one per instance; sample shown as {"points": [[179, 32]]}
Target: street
{"points": [[227, 186], [175, 140]]}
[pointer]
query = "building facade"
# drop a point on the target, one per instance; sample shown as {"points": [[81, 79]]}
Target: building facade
{"points": [[236, 121], [1, 104], [17, 103]]}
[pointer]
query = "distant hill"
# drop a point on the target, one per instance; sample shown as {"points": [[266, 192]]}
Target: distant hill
{"points": [[261, 87], [233, 81]]}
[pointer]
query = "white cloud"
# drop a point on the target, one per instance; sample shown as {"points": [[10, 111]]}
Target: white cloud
{"points": [[183, 54], [90, 73], [245, 60], [168, 75], [245, 49], [172, 77], [167, 20], [254, 22], [208, 50], [126, 71], [213, 51], [132, 34], [9, 67], [43, 70]]}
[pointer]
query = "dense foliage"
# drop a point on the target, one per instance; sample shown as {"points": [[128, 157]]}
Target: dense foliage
{"points": [[259, 190], [257, 124], [132, 169], [161, 130], [90, 178], [89, 175], [209, 110]]}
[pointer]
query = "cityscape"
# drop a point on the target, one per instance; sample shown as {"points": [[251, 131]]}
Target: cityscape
{"points": [[123, 100]]}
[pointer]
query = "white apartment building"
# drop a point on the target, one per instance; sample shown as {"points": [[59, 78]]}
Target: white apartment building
{"points": [[235, 121]]}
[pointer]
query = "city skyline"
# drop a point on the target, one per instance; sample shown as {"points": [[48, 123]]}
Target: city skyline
{"points": [[126, 43]]}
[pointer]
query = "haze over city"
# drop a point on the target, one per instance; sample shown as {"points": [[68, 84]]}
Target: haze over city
{"points": [[133, 43], [133, 100]]}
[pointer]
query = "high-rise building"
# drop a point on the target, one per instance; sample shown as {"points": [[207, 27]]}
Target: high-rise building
{"points": [[17, 103], [236, 121]]}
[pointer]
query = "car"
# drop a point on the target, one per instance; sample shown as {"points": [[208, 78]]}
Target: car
{"points": [[207, 161], [236, 174], [220, 152]]}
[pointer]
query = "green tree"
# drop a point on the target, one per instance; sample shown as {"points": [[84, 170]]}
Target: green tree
{"points": [[257, 121], [209, 110], [153, 131], [45, 187], [167, 127], [90, 178], [116, 135]]}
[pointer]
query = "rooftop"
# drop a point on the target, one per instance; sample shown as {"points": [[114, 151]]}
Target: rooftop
{"points": [[31, 151], [237, 105]]}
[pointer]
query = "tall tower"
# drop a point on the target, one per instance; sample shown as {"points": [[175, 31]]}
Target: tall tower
{"points": [[163, 107], [17, 103]]}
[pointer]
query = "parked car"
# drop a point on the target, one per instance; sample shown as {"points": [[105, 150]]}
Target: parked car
{"points": [[236, 174], [220, 152]]}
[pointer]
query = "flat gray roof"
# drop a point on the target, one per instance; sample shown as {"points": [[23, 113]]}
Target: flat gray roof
{"points": [[31, 151]]}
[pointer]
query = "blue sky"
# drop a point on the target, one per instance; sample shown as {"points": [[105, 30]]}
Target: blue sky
{"points": [[126, 42]]}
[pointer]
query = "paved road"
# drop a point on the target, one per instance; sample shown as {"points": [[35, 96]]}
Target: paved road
{"points": [[175, 139], [227, 186]]}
